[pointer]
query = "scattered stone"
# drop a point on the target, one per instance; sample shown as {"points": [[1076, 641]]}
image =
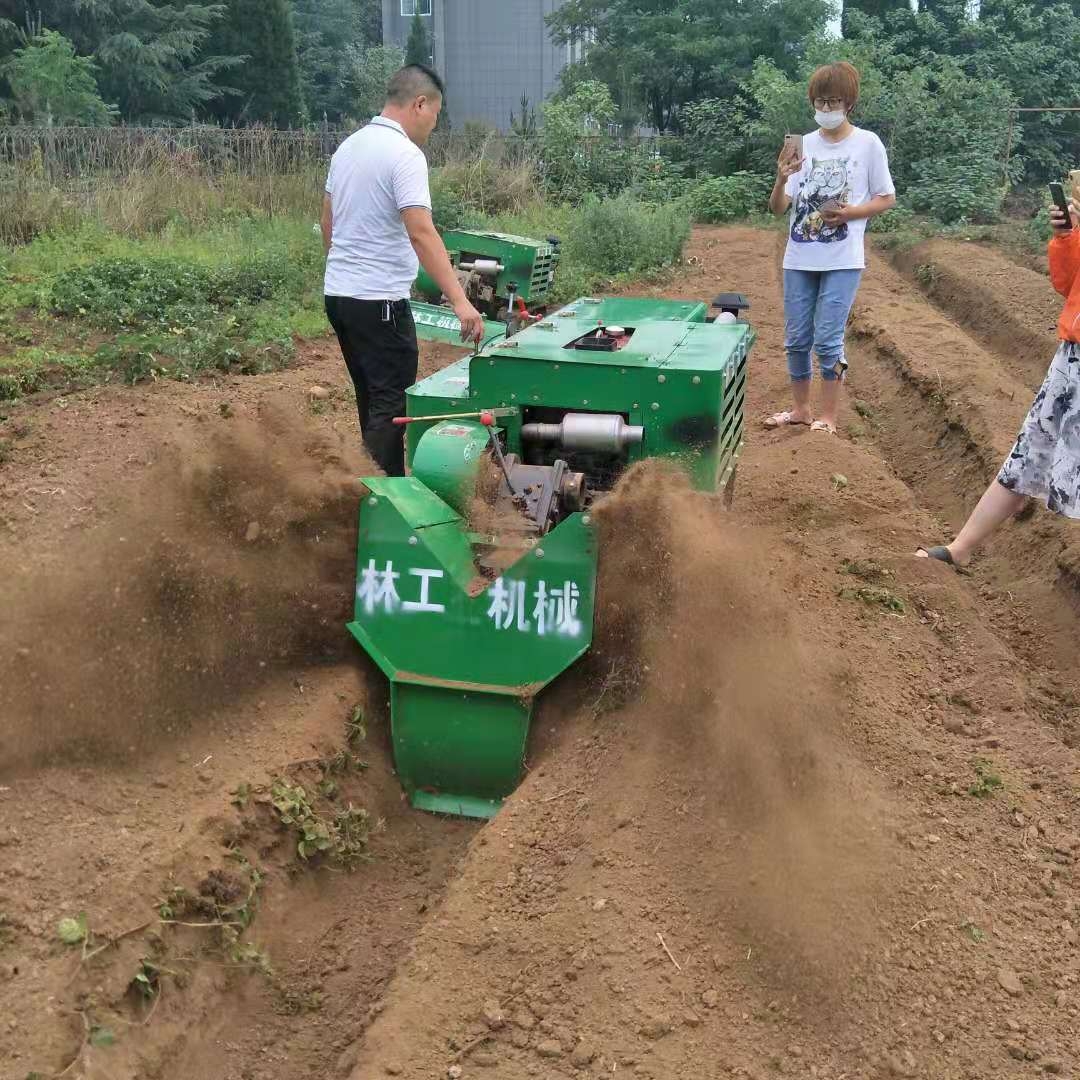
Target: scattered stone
{"points": [[394, 1069], [253, 531], [1015, 1050], [691, 1019], [1010, 982], [902, 1064], [520, 1039], [656, 1028], [932, 839], [319, 393], [599, 905], [954, 725], [454, 1072], [1062, 998], [710, 999], [493, 1015], [1053, 1066], [523, 1019], [549, 1048], [485, 1059], [583, 1055]]}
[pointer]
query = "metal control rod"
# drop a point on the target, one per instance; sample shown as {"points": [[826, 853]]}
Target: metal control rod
{"points": [[598, 432]]}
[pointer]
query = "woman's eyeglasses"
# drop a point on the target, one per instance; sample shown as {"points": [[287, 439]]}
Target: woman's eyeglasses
{"points": [[828, 103]]}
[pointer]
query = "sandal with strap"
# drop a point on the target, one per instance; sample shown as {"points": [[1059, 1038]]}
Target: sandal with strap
{"points": [[942, 554], [823, 425], [784, 419]]}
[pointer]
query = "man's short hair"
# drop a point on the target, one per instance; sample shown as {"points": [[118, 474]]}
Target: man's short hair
{"points": [[413, 81]]}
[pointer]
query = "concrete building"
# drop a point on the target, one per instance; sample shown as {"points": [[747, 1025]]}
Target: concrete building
{"points": [[490, 52]]}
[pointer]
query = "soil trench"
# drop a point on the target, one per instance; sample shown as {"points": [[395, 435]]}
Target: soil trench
{"points": [[808, 807]]}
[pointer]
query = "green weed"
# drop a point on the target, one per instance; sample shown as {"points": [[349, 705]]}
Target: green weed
{"points": [[876, 597], [342, 838], [987, 782], [866, 570]]}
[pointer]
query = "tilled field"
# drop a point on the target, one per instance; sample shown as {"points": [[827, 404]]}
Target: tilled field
{"points": [[809, 809]]}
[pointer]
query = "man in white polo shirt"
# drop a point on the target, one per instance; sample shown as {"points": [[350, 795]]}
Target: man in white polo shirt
{"points": [[377, 228]]}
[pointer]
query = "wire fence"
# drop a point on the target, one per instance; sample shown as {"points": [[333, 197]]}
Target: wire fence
{"points": [[61, 154]]}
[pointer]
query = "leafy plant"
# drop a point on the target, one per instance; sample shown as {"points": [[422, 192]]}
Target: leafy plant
{"points": [[987, 782], [876, 597], [101, 1036], [73, 931], [342, 838], [729, 198], [355, 729]]}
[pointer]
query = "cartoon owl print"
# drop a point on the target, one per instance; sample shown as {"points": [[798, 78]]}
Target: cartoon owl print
{"points": [[827, 179]]}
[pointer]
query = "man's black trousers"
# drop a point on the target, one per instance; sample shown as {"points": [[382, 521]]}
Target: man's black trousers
{"points": [[378, 341]]}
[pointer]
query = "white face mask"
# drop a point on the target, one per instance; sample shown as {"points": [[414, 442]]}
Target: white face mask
{"points": [[830, 121]]}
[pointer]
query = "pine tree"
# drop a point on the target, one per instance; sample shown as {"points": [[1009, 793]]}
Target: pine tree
{"points": [[328, 32], [266, 86], [417, 48], [151, 56]]}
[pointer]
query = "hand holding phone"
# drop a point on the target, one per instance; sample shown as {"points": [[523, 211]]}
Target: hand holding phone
{"points": [[1060, 214], [791, 157]]}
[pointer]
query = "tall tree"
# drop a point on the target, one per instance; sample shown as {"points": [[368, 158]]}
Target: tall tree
{"points": [[265, 88], [49, 82], [418, 47], [677, 51], [326, 32], [150, 55]]}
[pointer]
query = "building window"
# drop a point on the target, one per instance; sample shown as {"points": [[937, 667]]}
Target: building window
{"points": [[415, 7]]}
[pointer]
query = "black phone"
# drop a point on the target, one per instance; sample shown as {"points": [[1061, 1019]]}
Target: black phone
{"points": [[1057, 193]]}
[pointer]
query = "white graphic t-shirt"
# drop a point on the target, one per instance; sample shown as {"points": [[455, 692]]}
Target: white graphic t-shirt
{"points": [[852, 171]]}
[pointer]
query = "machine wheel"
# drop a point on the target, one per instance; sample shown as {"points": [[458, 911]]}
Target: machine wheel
{"points": [[728, 494]]}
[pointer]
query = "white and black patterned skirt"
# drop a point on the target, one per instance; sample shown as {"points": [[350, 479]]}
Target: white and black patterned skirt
{"points": [[1045, 460]]}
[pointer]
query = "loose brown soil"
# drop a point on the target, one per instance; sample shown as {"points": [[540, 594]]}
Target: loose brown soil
{"points": [[808, 808]]}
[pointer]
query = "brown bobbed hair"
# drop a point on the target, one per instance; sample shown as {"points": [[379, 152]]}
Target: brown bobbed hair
{"points": [[835, 81]]}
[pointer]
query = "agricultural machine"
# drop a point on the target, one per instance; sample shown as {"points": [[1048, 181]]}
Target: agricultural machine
{"points": [[476, 581]]}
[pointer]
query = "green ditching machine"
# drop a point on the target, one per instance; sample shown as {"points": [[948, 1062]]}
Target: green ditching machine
{"points": [[476, 572]]}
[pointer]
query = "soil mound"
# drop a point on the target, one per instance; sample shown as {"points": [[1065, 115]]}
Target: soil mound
{"points": [[231, 556]]}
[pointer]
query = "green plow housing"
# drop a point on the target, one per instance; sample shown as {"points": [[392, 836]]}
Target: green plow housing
{"points": [[476, 573]]}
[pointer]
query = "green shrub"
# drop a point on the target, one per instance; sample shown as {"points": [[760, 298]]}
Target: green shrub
{"points": [[894, 220], [622, 235], [730, 198], [958, 189]]}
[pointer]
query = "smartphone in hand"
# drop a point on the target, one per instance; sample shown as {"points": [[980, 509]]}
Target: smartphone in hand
{"points": [[1057, 194], [793, 147]]}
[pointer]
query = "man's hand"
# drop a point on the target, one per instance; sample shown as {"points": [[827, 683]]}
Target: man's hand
{"points": [[1058, 221], [472, 322]]}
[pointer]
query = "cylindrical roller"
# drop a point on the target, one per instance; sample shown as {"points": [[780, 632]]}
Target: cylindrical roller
{"points": [[597, 432], [489, 267]]}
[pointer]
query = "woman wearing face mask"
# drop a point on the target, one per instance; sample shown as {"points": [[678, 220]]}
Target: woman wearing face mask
{"points": [[832, 189]]}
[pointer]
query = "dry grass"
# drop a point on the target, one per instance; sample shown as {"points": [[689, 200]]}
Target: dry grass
{"points": [[137, 182]]}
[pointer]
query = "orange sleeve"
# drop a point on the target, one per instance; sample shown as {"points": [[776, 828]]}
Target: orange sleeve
{"points": [[1064, 255]]}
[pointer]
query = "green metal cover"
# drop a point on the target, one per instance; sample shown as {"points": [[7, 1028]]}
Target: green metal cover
{"points": [[528, 263], [681, 378], [465, 656]]}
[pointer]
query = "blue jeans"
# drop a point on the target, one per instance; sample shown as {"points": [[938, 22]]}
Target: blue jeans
{"points": [[816, 308]]}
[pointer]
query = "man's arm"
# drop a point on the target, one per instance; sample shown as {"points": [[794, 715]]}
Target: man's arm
{"points": [[431, 252], [327, 223]]}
